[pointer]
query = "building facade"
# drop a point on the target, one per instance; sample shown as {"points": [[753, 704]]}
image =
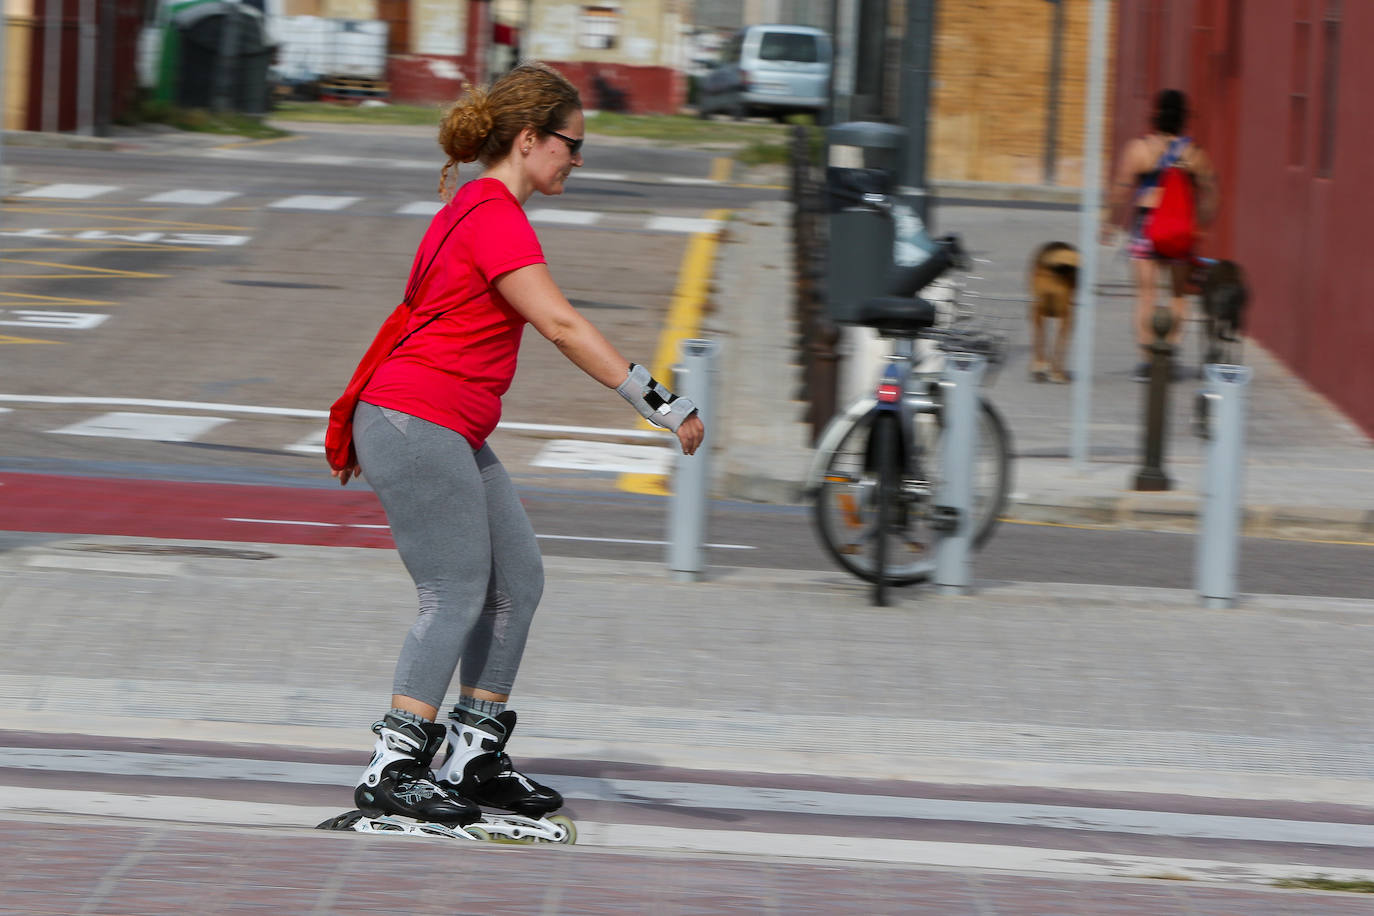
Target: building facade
{"points": [[1279, 101]]}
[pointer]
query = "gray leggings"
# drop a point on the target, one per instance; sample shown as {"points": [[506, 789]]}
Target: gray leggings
{"points": [[465, 540]]}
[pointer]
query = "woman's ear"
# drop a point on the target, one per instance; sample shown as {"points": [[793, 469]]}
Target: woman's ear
{"points": [[524, 141]]}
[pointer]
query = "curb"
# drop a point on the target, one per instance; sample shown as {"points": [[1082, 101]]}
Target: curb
{"points": [[1143, 512], [1182, 514], [34, 138], [1002, 192]]}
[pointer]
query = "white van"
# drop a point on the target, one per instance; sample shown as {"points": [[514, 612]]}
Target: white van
{"points": [[773, 69]]}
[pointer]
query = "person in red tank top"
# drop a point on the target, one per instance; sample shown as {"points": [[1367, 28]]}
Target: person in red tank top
{"points": [[1135, 194], [420, 433]]}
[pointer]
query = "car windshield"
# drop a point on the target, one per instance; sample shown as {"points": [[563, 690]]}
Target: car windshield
{"points": [[793, 46]]}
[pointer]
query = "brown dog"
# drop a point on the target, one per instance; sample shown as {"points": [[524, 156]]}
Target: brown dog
{"points": [[1053, 286]]}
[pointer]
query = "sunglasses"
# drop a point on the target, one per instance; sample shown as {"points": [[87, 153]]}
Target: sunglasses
{"points": [[574, 146]]}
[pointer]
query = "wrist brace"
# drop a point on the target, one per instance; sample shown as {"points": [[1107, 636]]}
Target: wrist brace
{"points": [[655, 403]]}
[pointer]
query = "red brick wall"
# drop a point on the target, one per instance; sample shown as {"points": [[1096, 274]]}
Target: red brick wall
{"points": [[648, 90], [421, 79]]}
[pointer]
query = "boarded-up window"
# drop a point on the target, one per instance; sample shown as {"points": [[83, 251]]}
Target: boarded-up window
{"points": [[600, 26]]}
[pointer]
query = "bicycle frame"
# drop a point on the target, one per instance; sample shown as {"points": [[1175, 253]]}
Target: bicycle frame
{"points": [[916, 387]]}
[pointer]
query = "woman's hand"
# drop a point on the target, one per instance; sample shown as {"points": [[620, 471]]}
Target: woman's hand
{"points": [[690, 434], [347, 474]]}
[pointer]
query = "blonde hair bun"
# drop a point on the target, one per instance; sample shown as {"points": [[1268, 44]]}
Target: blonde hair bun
{"points": [[465, 126]]}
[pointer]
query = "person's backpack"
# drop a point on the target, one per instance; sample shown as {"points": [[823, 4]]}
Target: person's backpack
{"points": [[1172, 227]]}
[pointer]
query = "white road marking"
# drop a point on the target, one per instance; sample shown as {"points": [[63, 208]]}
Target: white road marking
{"points": [[421, 208], [683, 179], [614, 457], [578, 537], [681, 224], [314, 202], [601, 176], [554, 217], [191, 196], [709, 797], [69, 191], [150, 426], [545, 537], [586, 430], [164, 405]]}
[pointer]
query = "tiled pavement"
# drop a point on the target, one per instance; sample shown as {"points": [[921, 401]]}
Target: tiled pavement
{"points": [[66, 868]]}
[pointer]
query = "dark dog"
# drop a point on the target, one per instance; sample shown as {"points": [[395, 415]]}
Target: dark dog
{"points": [[1224, 298], [1053, 286]]}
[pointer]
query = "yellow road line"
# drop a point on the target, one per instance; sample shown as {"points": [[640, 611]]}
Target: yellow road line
{"points": [[132, 246], [167, 225], [52, 300], [89, 272], [7, 339], [721, 168], [683, 322], [689, 298]]}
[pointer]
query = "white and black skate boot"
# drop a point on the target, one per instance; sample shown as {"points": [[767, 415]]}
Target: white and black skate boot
{"points": [[477, 769], [398, 780]]}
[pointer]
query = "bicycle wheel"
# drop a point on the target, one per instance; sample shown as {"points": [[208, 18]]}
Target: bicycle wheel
{"points": [[885, 457], [991, 464], [848, 512]]}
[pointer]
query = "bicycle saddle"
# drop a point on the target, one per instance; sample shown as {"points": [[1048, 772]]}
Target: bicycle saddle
{"points": [[896, 316]]}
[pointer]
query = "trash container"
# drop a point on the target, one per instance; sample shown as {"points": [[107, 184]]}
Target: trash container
{"points": [[861, 176]]}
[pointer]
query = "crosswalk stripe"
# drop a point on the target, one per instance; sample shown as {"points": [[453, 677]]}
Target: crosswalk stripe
{"points": [[69, 191], [313, 202], [422, 208], [155, 427], [564, 217], [681, 224], [191, 196]]}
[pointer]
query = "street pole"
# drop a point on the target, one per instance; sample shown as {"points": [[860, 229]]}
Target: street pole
{"points": [[1052, 102], [86, 64], [4, 94], [842, 75], [1089, 227], [104, 103], [917, 52], [52, 65]]}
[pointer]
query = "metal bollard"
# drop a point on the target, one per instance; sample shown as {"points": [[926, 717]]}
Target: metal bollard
{"points": [[958, 442], [1151, 476], [695, 379], [1219, 529]]}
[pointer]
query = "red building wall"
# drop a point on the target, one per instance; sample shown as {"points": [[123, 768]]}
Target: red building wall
{"points": [[1279, 100], [62, 93]]}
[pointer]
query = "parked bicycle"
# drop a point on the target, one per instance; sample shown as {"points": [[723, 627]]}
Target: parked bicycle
{"points": [[876, 474]]}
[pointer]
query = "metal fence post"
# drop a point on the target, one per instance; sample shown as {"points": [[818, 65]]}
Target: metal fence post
{"points": [[1219, 530], [958, 442], [695, 379]]}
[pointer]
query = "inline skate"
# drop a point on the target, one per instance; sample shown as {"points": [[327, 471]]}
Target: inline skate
{"points": [[478, 770]]}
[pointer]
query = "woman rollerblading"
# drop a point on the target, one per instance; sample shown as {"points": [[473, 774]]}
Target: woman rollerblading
{"points": [[416, 418]]}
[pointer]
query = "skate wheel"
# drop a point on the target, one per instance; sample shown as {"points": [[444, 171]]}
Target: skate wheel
{"points": [[569, 828], [344, 821], [477, 833]]}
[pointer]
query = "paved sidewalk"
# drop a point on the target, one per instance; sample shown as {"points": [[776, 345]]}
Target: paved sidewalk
{"points": [[1309, 471], [1090, 687]]}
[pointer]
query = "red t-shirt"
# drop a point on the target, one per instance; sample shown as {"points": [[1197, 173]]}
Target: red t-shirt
{"points": [[454, 370]]}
